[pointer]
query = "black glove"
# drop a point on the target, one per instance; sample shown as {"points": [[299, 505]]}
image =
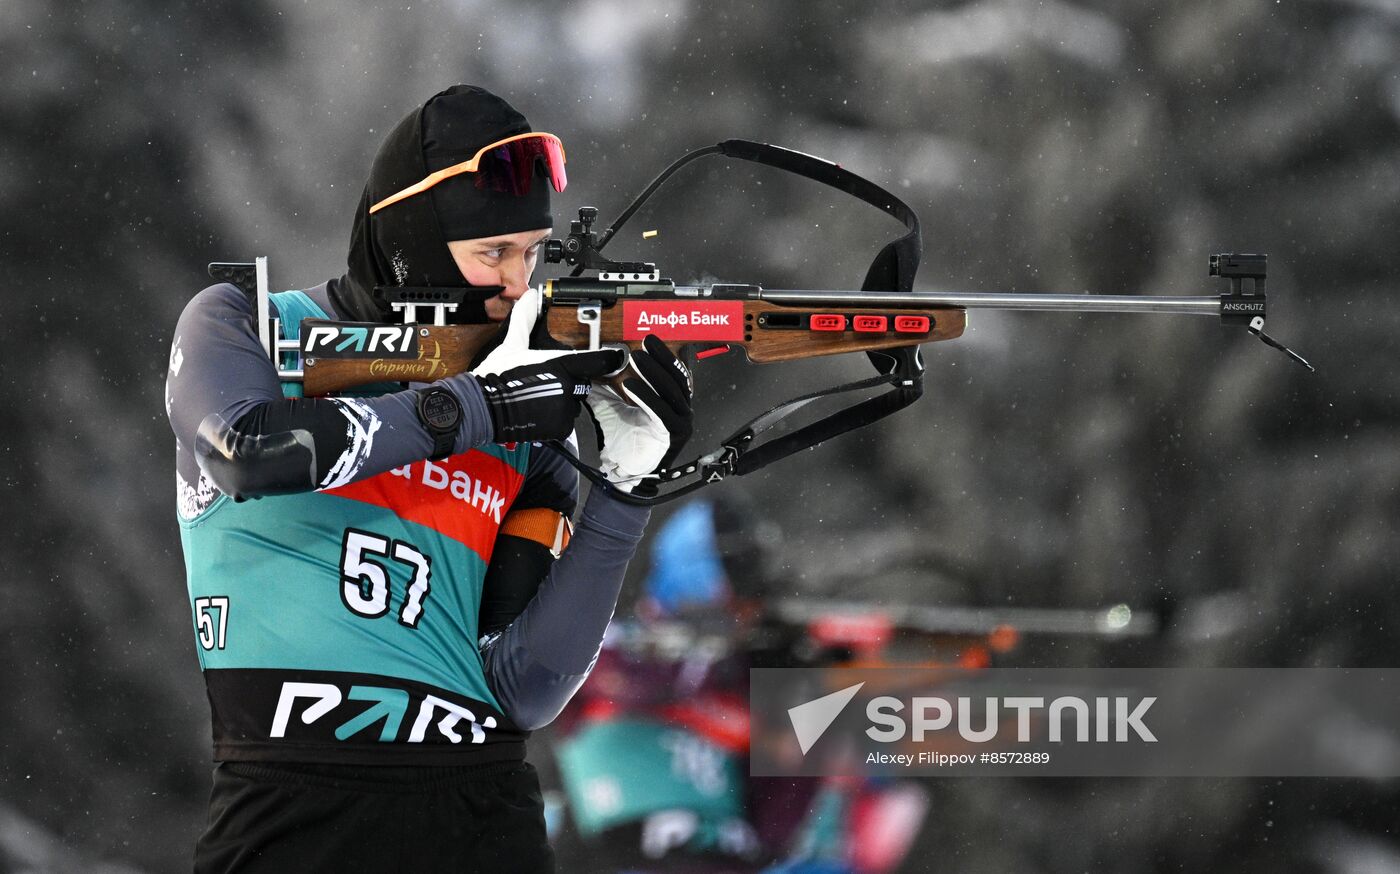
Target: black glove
{"points": [[645, 432], [538, 402]]}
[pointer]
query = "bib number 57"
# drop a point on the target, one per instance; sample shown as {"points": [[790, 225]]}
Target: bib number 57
{"points": [[364, 578], [211, 621]]}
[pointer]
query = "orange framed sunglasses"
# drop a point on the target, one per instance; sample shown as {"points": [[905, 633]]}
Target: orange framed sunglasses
{"points": [[506, 165]]}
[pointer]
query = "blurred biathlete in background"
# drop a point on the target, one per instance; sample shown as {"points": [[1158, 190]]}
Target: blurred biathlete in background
{"points": [[654, 751], [652, 756], [381, 631]]}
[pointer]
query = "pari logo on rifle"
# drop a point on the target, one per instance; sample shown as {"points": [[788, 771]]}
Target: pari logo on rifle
{"points": [[326, 339], [393, 353]]}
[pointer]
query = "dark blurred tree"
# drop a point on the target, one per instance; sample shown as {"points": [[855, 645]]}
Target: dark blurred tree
{"points": [[1056, 460], [104, 744], [1088, 460]]}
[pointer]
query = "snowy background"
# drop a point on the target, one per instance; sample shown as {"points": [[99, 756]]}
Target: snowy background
{"points": [[1055, 461]]}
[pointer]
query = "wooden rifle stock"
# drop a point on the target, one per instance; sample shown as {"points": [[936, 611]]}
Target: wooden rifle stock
{"points": [[443, 351], [771, 333], [764, 342]]}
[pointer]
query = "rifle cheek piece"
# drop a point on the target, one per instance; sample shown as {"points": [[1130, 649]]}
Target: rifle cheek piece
{"points": [[245, 465]]}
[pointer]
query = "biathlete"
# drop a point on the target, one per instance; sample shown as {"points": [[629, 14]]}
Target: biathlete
{"points": [[380, 632]]}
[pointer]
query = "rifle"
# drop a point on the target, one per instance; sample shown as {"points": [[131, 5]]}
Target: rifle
{"points": [[627, 300]]}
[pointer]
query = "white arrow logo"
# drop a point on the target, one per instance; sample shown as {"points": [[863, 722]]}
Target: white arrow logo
{"points": [[327, 699], [811, 720]]}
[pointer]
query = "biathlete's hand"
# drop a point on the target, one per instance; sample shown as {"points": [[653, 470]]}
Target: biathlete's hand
{"points": [[640, 438], [535, 394]]}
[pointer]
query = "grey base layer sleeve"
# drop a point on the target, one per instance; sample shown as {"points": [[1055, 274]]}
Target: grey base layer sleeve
{"points": [[542, 658], [219, 375], [219, 372]]}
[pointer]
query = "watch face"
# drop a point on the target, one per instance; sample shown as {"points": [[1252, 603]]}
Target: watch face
{"points": [[440, 410]]}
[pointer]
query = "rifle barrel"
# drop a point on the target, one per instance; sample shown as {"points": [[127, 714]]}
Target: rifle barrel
{"points": [[1087, 303]]}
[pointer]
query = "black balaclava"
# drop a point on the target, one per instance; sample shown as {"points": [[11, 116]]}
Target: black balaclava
{"points": [[405, 244]]}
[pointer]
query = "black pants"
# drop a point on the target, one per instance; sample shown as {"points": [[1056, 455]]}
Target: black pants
{"points": [[294, 818]]}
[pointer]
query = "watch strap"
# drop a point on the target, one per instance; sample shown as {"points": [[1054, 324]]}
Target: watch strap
{"points": [[441, 415]]}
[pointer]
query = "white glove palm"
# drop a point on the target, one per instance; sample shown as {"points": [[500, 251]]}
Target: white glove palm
{"points": [[640, 437], [634, 439]]}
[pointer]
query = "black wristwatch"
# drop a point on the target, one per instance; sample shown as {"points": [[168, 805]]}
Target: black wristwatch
{"points": [[440, 413]]}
